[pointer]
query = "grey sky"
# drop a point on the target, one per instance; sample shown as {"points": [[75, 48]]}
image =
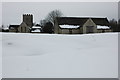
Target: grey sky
{"points": [[119, 10], [12, 11]]}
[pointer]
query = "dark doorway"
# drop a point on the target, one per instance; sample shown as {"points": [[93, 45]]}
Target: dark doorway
{"points": [[89, 29]]}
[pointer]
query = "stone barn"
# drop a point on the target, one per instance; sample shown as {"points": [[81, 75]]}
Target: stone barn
{"points": [[80, 25], [13, 28]]}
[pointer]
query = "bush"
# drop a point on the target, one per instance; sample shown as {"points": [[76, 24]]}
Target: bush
{"points": [[48, 28], [114, 25]]}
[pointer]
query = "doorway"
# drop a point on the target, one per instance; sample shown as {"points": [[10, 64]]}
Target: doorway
{"points": [[89, 29]]}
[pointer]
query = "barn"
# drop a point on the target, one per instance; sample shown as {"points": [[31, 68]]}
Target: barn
{"points": [[80, 25]]}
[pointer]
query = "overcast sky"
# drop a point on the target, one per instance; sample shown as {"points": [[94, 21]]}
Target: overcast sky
{"points": [[12, 11], [119, 10]]}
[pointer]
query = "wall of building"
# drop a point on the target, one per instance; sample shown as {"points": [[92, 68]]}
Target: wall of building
{"points": [[67, 31], [76, 31], [64, 31], [12, 30], [102, 31], [89, 22], [81, 30], [23, 28], [56, 27], [28, 19]]}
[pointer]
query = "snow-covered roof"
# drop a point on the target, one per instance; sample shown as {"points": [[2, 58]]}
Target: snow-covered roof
{"points": [[14, 23], [102, 27], [69, 26], [36, 30], [81, 20], [88, 16], [37, 27], [5, 28]]}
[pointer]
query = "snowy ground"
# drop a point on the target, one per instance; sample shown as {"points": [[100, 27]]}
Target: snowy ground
{"points": [[60, 56], [0, 56]]}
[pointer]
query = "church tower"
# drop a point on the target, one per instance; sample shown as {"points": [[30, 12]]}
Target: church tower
{"points": [[28, 19]]}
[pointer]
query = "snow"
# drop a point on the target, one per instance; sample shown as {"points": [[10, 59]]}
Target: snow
{"points": [[36, 27], [14, 24], [0, 56], [69, 26], [6, 28], [36, 30], [102, 27], [60, 56], [89, 16]]}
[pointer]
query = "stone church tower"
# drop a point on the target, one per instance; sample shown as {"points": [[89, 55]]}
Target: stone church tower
{"points": [[28, 19]]}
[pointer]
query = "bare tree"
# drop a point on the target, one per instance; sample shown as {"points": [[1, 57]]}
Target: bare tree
{"points": [[48, 23], [52, 15], [48, 28], [42, 23], [113, 24], [1, 27], [119, 25]]}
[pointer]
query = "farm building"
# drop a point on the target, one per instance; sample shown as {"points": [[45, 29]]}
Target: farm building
{"points": [[80, 25], [25, 26]]}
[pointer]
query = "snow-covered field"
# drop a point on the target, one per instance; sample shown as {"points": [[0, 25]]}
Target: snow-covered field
{"points": [[0, 56], [60, 56]]}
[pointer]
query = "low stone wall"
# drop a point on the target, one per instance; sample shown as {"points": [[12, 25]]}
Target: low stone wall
{"points": [[103, 30], [69, 31]]}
